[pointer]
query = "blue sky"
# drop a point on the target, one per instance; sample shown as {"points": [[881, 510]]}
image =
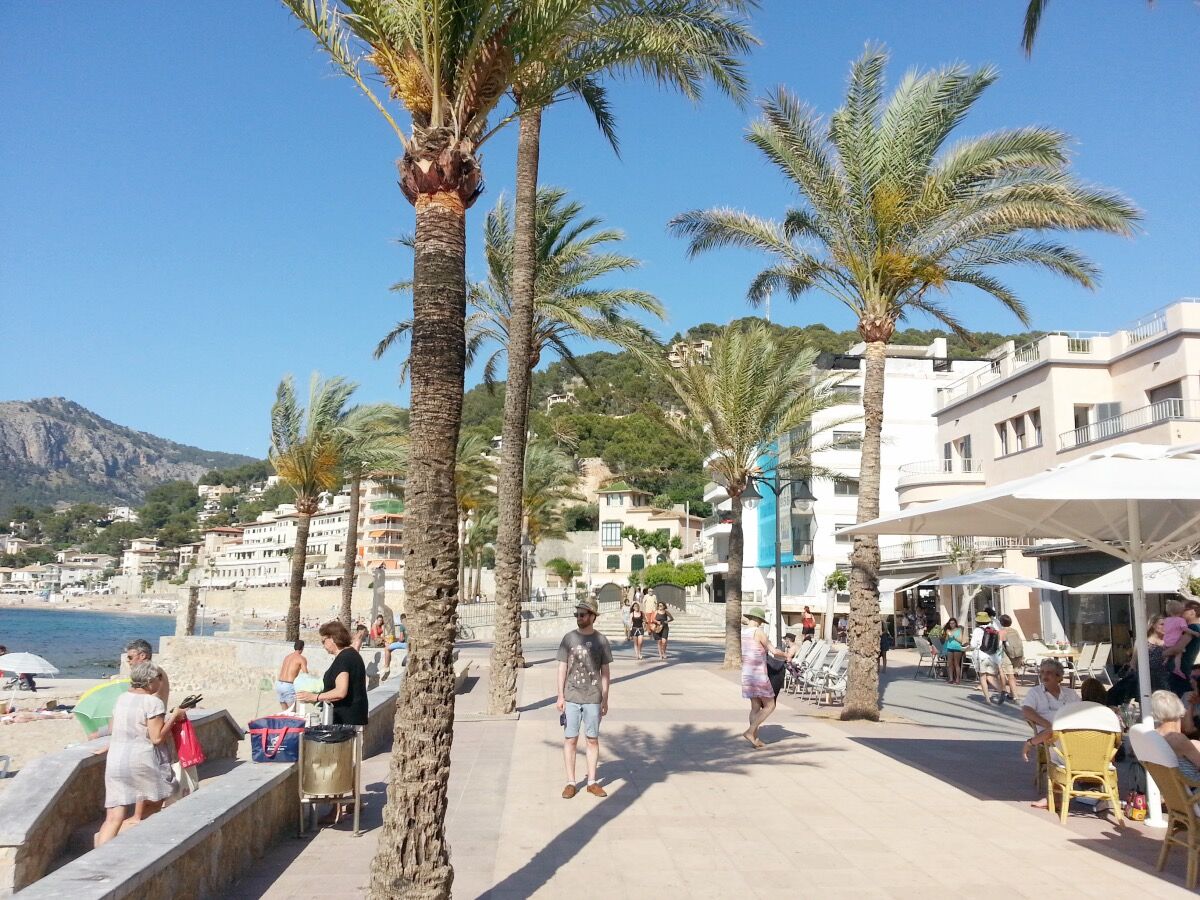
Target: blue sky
{"points": [[192, 204]]}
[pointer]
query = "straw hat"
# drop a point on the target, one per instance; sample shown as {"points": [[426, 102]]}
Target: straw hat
{"points": [[982, 618], [756, 612]]}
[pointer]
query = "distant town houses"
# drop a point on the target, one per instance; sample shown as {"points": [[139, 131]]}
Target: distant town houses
{"points": [[122, 514], [616, 558], [683, 352]]}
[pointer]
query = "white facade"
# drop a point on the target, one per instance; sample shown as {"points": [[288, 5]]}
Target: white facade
{"points": [[616, 558], [811, 550]]}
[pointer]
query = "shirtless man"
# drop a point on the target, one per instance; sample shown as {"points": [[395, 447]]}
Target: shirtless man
{"points": [[293, 664]]}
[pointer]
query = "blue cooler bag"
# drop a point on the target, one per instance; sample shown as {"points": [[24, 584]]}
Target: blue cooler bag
{"points": [[276, 738]]}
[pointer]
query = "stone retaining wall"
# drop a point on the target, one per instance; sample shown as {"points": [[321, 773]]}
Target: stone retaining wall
{"points": [[60, 792], [207, 841]]}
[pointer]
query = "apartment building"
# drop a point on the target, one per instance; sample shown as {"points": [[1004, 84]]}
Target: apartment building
{"points": [[1036, 406], [812, 511], [616, 558], [683, 352]]}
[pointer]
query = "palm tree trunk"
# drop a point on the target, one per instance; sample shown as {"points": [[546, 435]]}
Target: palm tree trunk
{"points": [[462, 549], [351, 550], [299, 554], [862, 692], [413, 857], [506, 649], [733, 591]]}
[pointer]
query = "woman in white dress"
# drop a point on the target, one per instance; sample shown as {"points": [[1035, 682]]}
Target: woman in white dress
{"points": [[139, 761]]}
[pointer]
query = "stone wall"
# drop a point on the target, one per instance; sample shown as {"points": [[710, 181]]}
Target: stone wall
{"points": [[224, 662], [212, 838], [59, 792]]}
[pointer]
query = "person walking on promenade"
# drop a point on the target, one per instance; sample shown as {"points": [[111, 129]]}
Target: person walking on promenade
{"points": [[138, 768], [293, 664], [662, 625], [756, 683], [584, 658], [637, 628], [808, 625], [985, 641], [140, 651], [1013, 658], [625, 607]]}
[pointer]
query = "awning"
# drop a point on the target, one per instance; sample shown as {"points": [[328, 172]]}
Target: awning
{"points": [[1157, 578], [888, 587]]}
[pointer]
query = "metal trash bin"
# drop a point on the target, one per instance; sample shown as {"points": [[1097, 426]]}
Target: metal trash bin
{"points": [[329, 768]]}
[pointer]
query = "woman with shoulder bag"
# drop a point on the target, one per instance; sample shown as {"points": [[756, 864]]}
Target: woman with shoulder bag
{"points": [[637, 628], [662, 628]]}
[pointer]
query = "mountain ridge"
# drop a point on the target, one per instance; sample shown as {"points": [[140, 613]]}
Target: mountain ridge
{"points": [[52, 449]]}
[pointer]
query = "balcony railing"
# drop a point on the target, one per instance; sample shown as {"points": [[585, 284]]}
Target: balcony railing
{"points": [[1162, 411], [932, 548], [719, 518], [942, 467]]}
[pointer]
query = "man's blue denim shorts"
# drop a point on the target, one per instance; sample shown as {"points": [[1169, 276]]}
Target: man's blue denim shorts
{"points": [[588, 714]]}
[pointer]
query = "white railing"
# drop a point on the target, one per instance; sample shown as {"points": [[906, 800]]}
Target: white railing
{"points": [[932, 548], [1147, 329], [942, 467], [1027, 354], [1162, 411]]}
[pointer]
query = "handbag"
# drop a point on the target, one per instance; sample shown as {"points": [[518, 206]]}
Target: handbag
{"points": [[187, 743], [276, 738]]}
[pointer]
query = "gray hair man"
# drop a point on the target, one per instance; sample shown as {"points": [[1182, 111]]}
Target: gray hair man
{"points": [[140, 651], [1048, 696]]}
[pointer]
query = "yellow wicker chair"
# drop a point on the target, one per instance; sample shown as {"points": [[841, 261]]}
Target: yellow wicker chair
{"points": [[1086, 738], [1178, 792], [1043, 761]]}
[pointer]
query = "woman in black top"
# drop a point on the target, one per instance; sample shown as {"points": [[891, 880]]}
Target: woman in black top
{"points": [[637, 628], [662, 621], [345, 679]]}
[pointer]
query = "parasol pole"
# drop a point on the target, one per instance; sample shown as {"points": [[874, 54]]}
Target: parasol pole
{"points": [[1154, 817]]}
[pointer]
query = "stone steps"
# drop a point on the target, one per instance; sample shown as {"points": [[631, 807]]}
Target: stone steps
{"points": [[685, 627]]}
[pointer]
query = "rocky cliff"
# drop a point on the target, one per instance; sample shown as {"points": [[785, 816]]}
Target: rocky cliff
{"points": [[53, 449]]}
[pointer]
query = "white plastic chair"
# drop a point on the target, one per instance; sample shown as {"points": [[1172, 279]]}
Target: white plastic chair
{"points": [[1098, 666]]}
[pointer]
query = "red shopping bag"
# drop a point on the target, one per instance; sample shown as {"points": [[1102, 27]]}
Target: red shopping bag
{"points": [[187, 743]]}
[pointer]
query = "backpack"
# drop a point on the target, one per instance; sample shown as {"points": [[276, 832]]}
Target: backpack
{"points": [[1014, 647], [991, 641]]}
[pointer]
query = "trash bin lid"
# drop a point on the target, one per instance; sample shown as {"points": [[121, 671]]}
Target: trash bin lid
{"points": [[329, 734]]}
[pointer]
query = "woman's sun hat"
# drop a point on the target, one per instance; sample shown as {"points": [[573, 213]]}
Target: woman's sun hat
{"points": [[756, 612], [982, 618]]}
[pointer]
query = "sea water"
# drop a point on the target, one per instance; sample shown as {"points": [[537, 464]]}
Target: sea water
{"points": [[80, 644]]}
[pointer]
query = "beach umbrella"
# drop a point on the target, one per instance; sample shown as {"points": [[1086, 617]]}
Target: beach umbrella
{"points": [[994, 577], [94, 709], [1137, 502], [24, 664]]}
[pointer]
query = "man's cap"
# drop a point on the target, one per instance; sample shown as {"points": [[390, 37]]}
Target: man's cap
{"points": [[982, 618], [756, 612], [589, 605]]}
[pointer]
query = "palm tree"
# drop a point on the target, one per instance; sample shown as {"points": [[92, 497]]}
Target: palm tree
{"points": [[757, 386], [889, 220], [551, 477], [1033, 19], [306, 452], [674, 42], [567, 307], [374, 440], [449, 65], [480, 535], [474, 487]]}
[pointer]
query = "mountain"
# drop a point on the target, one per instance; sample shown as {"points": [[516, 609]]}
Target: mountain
{"points": [[54, 449]]}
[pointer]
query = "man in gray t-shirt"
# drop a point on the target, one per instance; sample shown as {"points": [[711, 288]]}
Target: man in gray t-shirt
{"points": [[583, 657]]}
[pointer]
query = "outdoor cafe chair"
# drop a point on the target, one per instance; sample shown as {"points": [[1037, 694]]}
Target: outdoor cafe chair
{"points": [[928, 654], [1043, 761], [814, 678], [1086, 738], [801, 662], [1097, 667], [1178, 793], [836, 682], [1083, 662]]}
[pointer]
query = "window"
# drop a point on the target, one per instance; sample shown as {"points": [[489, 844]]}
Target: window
{"points": [[610, 534], [847, 440], [1083, 415], [1002, 438], [845, 488], [1035, 425], [637, 563], [846, 393], [614, 499], [1018, 427], [1172, 391], [843, 538], [613, 563]]}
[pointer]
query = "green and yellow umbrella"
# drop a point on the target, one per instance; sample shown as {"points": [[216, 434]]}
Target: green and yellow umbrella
{"points": [[95, 707]]}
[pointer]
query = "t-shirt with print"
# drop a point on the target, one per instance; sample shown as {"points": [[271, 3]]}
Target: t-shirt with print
{"points": [[584, 655]]}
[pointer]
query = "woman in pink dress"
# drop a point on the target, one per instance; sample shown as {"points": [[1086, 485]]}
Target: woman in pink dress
{"points": [[756, 685]]}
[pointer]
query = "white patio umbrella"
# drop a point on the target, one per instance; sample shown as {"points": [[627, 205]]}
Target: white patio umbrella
{"points": [[995, 577], [1136, 502], [25, 664], [1157, 578]]}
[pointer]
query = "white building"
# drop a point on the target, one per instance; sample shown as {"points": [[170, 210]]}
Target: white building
{"points": [[814, 510], [616, 558]]}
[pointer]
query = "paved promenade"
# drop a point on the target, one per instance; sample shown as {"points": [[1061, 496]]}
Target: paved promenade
{"points": [[827, 809]]}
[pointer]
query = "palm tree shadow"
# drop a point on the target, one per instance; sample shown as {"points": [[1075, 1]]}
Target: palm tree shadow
{"points": [[687, 748]]}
